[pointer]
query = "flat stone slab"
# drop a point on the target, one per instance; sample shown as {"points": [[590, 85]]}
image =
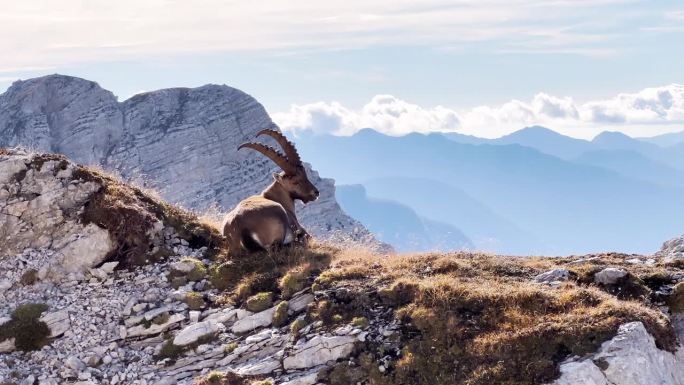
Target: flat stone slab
{"points": [[318, 351]]}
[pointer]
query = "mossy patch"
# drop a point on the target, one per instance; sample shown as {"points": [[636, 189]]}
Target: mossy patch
{"points": [[294, 281], [29, 277], [225, 378], [297, 325], [280, 314], [195, 300], [161, 318], [169, 350], [259, 302], [360, 322], [199, 271], [26, 328], [230, 347], [245, 275]]}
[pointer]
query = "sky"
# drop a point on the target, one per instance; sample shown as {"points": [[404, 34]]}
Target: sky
{"points": [[480, 67]]}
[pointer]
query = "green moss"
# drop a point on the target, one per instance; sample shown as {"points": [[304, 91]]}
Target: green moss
{"points": [[280, 314], [177, 282], [259, 302], [297, 325], [219, 378], [224, 275], [26, 328], [29, 277], [161, 318], [169, 350], [199, 271], [292, 282], [215, 376], [360, 322], [194, 300], [263, 382], [230, 347]]}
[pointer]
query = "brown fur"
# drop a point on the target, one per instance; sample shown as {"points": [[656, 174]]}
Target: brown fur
{"points": [[268, 220]]}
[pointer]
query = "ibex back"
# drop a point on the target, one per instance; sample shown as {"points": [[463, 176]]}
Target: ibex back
{"points": [[268, 220]]}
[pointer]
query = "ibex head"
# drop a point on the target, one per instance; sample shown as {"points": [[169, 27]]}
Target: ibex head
{"points": [[293, 178]]}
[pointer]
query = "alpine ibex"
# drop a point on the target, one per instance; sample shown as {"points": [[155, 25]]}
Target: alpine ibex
{"points": [[268, 220]]}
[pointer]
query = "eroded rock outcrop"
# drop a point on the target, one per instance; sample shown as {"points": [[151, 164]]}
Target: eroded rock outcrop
{"points": [[181, 141], [672, 251], [41, 201], [81, 218], [630, 358]]}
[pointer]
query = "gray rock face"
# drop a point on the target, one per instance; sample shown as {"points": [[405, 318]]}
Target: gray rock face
{"points": [[672, 250], [39, 205], [630, 358], [181, 142]]}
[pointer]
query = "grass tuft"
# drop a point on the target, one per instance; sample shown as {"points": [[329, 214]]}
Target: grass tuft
{"points": [[25, 326]]}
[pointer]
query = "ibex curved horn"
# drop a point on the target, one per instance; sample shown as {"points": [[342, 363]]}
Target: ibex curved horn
{"points": [[286, 145], [272, 154]]}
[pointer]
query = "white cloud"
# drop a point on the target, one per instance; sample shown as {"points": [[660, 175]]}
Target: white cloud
{"points": [[384, 113], [45, 32], [658, 106]]}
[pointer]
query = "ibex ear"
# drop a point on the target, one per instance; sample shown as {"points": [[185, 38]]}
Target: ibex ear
{"points": [[277, 177]]}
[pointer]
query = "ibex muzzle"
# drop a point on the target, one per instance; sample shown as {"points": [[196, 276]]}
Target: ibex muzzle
{"points": [[268, 220]]}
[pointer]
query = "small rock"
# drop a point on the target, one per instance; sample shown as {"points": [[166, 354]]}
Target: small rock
{"points": [[318, 351], [254, 321], [5, 285], [74, 363], [182, 268], [609, 276], [196, 331], [93, 361], [109, 267], [553, 275], [194, 316]]}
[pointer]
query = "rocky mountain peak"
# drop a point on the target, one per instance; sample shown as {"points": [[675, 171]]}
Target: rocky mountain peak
{"points": [[181, 142]]}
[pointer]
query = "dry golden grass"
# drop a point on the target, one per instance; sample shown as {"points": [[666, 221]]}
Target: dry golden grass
{"points": [[479, 319]]}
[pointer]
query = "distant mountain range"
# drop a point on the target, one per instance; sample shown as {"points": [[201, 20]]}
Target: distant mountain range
{"points": [[531, 192], [398, 224]]}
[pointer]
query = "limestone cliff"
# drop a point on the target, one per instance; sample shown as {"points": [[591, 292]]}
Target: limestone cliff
{"points": [[181, 142]]}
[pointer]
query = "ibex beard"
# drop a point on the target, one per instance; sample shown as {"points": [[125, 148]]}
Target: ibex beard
{"points": [[268, 221]]}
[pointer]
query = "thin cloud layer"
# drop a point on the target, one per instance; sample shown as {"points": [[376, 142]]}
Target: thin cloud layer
{"points": [[73, 31], [657, 106]]}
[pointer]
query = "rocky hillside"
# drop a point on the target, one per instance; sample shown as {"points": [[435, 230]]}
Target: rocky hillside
{"points": [[181, 142], [101, 283]]}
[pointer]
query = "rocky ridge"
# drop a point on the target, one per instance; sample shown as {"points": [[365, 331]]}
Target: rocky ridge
{"points": [[182, 142], [108, 325], [158, 303]]}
